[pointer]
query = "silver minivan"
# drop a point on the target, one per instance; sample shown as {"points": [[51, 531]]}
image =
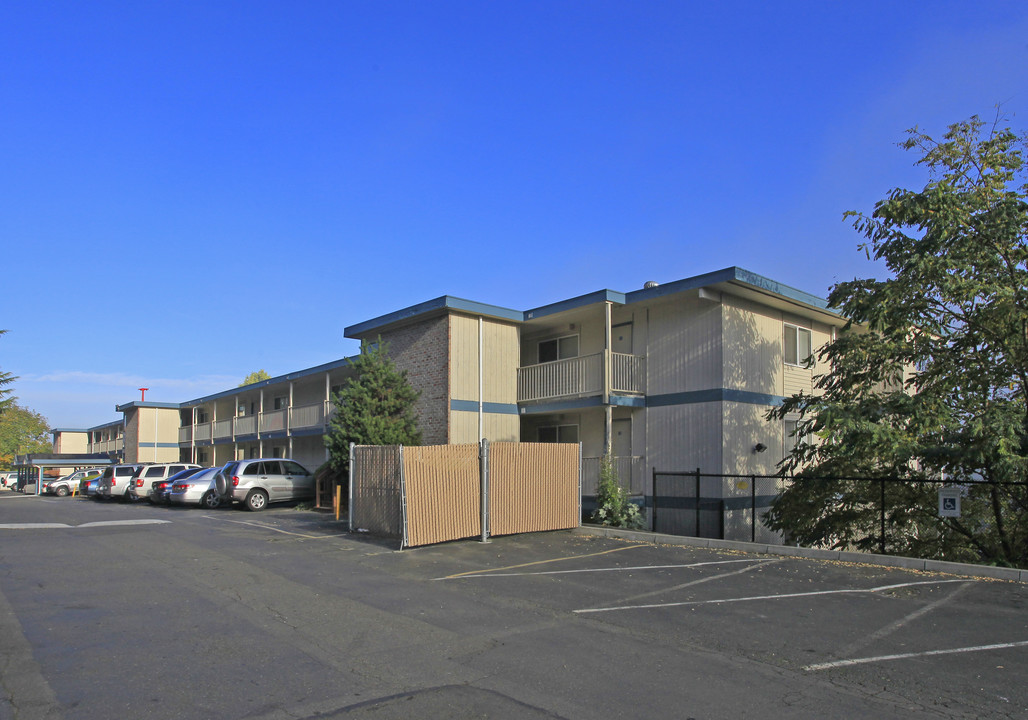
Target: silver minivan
{"points": [[260, 481]]}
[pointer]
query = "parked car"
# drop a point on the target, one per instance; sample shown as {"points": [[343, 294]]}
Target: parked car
{"points": [[115, 481], [162, 488], [8, 479], [89, 486], [70, 483], [142, 482], [199, 489], [255, 483]]}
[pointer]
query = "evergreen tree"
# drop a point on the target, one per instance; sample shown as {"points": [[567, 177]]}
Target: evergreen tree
{"points": [[375, 406]]}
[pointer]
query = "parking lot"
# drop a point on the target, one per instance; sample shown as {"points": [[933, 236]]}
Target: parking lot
{"points": [[137, 611]]}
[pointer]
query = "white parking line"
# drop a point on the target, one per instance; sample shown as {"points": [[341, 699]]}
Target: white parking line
{"points": [[905, 656], [284, 532], [846, 591], [592, 570], [106, 523]]}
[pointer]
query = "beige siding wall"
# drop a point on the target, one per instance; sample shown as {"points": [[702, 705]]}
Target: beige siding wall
{"points": [[684, 437], [71, 442], [496, 427], [752, 346], [499, 360], [745, 425], [684, 346]]}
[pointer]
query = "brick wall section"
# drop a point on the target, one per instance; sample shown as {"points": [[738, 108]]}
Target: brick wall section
{"points": [[423, 350]]}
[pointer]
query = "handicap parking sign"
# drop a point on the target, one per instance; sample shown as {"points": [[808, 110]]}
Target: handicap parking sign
{"points": [[949, 502]]}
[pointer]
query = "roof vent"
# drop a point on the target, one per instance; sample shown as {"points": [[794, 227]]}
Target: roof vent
{"points": [[649, 284]]}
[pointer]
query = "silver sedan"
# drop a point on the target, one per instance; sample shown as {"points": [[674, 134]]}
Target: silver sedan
{"points": [[198, 489]]}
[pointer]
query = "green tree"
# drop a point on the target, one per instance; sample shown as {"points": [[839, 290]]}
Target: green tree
{"points": [[22, 431], [6, 379], [929, 379], [255, 377], [375, 406]]}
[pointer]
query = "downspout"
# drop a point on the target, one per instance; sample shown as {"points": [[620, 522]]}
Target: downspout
{"points": [[481, 416], [608, 424], [156, 434]]}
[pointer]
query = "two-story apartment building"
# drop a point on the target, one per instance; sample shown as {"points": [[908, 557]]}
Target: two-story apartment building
{"points": [[674, 377]]}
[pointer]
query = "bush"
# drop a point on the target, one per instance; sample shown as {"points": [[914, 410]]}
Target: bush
{"points": [[615, 507]]}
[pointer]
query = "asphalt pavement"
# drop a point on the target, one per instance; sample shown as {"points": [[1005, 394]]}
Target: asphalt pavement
{"points": [[132, 611]]}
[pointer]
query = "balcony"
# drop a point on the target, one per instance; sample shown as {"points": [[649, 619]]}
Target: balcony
{"points": [[581, 377]]}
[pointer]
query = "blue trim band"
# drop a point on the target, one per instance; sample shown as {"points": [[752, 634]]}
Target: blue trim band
{"points": [[714, 395], [493, 408], [158, 445]]}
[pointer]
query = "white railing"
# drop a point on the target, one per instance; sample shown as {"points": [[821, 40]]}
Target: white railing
{"points": [[581, 376], [307, 416], [631, 471], [273, 421], [561, 378], [222, 429], [628, 373], [246, 425]]}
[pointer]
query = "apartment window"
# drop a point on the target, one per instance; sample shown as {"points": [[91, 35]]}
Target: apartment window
{"points": [[201, 457], [558, 434], [791, 439], [201, 416], [278, 452], [558, 348], [282, 402], [796, 345]]}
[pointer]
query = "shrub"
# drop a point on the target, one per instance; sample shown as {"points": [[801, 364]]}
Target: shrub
{"points": [[615, 507]]}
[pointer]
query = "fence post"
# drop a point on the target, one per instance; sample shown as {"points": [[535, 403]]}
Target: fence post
{"points": [[653, 494], [753, 508], [881, 545], [698, 503], [349, 506], [483, 460]]}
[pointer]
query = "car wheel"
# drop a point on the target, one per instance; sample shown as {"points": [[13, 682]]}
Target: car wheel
{"points": [[256, 500], [212, 500], [62, 491]]}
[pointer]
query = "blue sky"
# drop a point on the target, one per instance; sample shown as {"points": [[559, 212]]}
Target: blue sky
{"points": [[194, 190]]}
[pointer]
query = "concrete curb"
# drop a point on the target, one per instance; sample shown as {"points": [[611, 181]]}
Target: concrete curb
{"points": [[939, 566]]}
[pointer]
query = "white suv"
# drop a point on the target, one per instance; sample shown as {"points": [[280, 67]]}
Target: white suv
{"points": [[146, 477], [115, 481], [257, 482]]}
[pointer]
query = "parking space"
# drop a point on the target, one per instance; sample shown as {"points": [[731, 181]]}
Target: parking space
{"points": [[552, 624]]}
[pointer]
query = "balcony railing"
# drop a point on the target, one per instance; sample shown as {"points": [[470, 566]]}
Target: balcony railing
{"points": [[561, 378], [307, 416], [246, 425], [581, 376], [628, 373], [222, 429], [273, 421], [202, 432], [185, 434]]}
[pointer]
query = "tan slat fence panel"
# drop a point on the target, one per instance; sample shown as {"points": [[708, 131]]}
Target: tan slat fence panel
{"points": [[533, 487], [376, 491], [442, 486]]}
